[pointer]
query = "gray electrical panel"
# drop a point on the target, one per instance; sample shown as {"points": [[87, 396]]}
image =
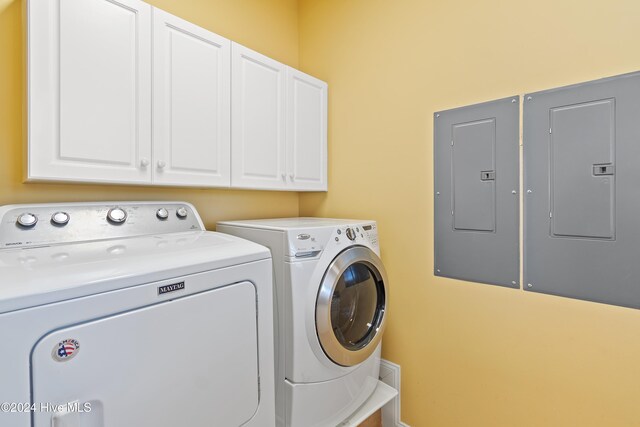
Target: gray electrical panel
{"points": [[582, 191], [476, 180]]}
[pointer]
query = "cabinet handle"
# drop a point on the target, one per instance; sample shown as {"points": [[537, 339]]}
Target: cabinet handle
{"points": [[161, 164], [144, 163]]}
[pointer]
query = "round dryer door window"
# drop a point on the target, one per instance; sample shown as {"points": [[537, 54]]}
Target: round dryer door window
{"points": [[350, 310]]}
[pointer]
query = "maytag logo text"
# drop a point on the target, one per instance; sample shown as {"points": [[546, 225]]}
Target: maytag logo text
{"points": [[170, 288]]}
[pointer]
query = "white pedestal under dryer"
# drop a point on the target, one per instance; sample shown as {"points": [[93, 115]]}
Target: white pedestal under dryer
{"points": [[331, 313], [129, 315]]}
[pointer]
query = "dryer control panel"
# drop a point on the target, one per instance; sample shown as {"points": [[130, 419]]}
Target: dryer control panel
{"points": [[56, 223]]}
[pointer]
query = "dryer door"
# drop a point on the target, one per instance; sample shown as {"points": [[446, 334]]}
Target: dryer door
{"points": [[351, 306], [192, 361]]}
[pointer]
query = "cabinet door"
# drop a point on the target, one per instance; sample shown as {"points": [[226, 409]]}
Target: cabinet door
{"points": [[89, 82], [306, 131], [191, 115], [257, 120]]}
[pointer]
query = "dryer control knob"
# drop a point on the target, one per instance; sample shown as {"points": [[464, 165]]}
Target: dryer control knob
{"points": [[60, 218], [27, 220], [162, 213], [351, 234], [181, 212], [117, 215]]}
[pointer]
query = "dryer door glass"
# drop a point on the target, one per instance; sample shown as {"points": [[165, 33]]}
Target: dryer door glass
{"points": [[351, 305]]}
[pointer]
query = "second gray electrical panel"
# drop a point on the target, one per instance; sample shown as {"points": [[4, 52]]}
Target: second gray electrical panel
{"points": [[582, 191], [476, 179]]}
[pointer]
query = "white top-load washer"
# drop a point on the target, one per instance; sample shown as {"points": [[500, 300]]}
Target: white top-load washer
{"points": [[131, 314], [331, 312]]}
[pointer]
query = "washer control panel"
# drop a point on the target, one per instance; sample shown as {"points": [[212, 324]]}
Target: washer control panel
{"points": [[357, 233], [311, 242], [47, 224]]}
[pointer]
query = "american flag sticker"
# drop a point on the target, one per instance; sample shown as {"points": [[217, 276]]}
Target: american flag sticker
{"points": [[65, 350]]}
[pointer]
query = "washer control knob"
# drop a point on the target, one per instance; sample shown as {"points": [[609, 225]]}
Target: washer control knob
{"points": [[27, 220], [60, 218], [117, 215], [181, 212], [162, 213], [351, 234]]}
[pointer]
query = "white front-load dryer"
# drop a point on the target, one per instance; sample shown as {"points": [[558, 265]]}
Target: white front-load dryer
{"points": [[331, 300]]}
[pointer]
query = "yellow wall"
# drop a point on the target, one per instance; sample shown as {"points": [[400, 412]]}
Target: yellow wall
{"points": [[471, 354], [269, 26]]}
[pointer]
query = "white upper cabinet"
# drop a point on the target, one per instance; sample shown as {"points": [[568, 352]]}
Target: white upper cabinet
{"points": [[121, 92], [89, 67], [279, 125], [191, 104], [306, 132], [257, 120]]}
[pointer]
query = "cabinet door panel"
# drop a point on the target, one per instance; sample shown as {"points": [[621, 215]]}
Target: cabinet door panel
{"points": [[89, 90], [192, 79], [258, 122], [306, 131]]}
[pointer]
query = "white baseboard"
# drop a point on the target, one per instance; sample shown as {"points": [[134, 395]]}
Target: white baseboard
{"points": [[390, 375], [382, 394]]}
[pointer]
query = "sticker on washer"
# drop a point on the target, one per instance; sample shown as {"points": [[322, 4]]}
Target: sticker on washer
{"points": [[65, 350]]}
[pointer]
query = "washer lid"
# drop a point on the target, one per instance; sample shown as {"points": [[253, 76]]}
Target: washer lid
{"points": [[41, 275]]}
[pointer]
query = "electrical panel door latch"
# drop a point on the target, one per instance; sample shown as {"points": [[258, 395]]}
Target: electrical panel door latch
{"points": [[488, 175], [603, 170]]}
